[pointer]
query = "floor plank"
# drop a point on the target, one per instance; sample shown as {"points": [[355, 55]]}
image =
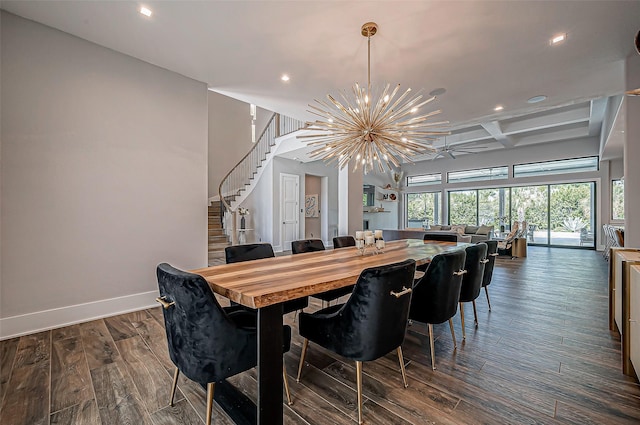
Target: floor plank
{"points": [[85, 413], [70, 378], [27, 399], [98, 344], [148, 375], [8, 350], [116, 396]]}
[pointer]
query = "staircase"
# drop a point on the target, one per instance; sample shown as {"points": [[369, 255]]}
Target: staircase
{"points": [[242, 178], [217, 239]]}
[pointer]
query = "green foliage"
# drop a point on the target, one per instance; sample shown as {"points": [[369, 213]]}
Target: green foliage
{"points": [[462, 207], [617, 199], [423, 206]]}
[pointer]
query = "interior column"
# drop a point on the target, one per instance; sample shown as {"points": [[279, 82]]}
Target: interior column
{"points": [[632, 154]]}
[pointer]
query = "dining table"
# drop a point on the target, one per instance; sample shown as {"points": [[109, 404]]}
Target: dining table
{"points": [[265, 284]]}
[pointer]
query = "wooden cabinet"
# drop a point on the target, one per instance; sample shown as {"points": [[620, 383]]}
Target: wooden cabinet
{"points": [[634, 318], [620, 301]]}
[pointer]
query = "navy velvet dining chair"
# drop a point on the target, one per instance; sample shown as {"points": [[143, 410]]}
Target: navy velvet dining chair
{"points": [[492, 253], [258, 251], [313, 245], [436, 295], [370, 324], [207, 343], [472, 279], [343, 241]]}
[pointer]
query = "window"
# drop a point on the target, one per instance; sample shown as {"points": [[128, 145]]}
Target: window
{"points": [[424, 179], [423, 207], [368, 195], [463, 207], [562, 166], [493, 207], [495, 173], [617, 199]]}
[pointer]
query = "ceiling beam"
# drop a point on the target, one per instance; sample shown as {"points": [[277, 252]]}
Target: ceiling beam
{"points": [[598, 108], [581, 113], [494, 129]]}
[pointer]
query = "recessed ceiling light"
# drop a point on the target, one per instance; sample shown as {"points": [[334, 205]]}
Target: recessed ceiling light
{"points": [[558, 39], [285, 77], [536, 99], [498, 108], [146, 12]]}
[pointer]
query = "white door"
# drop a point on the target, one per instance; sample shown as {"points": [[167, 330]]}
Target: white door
{"points": [[289, 209]]}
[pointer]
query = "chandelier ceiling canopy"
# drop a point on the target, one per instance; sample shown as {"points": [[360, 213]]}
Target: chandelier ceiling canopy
{"points": [[375, 133]]}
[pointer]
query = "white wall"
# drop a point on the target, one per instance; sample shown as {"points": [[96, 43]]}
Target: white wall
{"points": [[104, 175], [317, 168], [229, 135]]}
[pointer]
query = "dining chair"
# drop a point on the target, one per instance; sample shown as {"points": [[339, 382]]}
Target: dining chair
{"points": [[440, 237], [436, 295], [258, 251], [343, 241], [369, 325], [313, 245], [487, 275], [306, 245], [472, 280], [505, 247], [207, 343]]}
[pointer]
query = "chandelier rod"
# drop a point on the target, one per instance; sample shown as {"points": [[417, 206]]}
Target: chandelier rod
{"points": [[369, 65]]}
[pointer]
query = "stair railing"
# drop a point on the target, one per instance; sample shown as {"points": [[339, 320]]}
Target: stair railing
{"points": [[241, 175]]}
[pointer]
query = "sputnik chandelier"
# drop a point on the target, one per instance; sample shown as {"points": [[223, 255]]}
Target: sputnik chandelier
{"points": [[376, 134]]}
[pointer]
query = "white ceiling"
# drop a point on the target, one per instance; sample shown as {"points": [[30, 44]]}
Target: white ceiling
{"points": [[484, 53]]}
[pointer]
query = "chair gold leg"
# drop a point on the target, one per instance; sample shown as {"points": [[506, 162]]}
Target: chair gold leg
{"points": [[475, 313], [433, 350], [285, 379], [401, 360], [211, 386], [173, 387], [486, 291], [453, 334], [359, 383], [464, 335], [304, 353]]}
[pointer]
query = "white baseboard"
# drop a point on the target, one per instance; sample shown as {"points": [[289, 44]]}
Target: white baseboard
{"points": [[38, 321]]}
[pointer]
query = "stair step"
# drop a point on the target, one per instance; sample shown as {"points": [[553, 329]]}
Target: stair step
{"points": [[218, 239], [218, 246]]}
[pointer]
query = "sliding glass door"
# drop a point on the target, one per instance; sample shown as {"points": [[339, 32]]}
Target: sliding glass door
{"points": [[531, 204], [571, 217], [556, 214]]}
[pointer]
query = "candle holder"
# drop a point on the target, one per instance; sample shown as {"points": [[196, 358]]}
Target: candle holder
{"points": [[368, 241]]}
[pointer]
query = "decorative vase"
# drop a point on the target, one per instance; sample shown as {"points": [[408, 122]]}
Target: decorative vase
{"points": [[242, 222]]}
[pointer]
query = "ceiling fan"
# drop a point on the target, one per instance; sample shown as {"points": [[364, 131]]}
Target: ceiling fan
{"points": [[447, 151]]}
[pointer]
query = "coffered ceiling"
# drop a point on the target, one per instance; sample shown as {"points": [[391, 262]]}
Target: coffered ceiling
{"points": [[484, 53]]}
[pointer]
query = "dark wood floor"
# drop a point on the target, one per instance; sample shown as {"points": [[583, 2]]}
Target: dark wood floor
{"points": [[544, 355]]}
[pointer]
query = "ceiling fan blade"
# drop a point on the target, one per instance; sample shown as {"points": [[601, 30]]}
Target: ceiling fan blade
{"points": [[450, 153]]}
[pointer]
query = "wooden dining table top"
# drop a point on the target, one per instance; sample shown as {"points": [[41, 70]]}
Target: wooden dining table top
{"points": [[260, 283]]}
